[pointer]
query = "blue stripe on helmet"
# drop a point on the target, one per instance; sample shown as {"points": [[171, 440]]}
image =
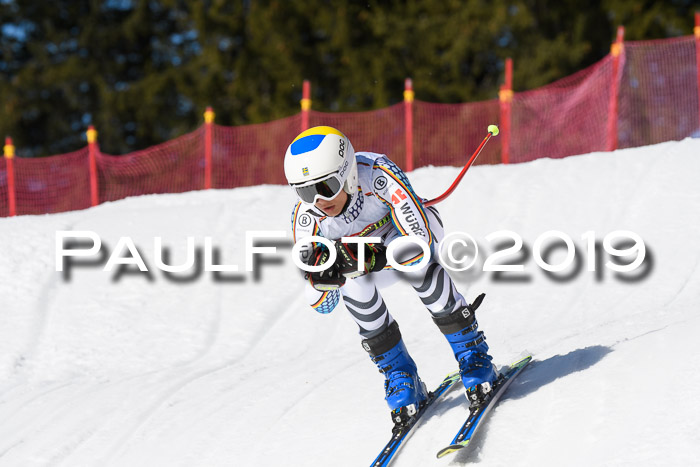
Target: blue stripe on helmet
{"points": [[306, 144]]}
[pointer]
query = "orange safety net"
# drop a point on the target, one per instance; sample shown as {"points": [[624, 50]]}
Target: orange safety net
{"points": [[657, 100]]}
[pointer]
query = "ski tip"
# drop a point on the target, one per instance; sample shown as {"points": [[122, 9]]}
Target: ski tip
{"points": [[522, 362], [450, 449]]}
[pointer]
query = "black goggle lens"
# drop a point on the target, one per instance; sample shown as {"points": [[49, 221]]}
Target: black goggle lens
{"points": [[327, 188]]}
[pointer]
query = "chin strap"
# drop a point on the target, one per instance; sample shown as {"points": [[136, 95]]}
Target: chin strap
{"points": [[347, 203]]}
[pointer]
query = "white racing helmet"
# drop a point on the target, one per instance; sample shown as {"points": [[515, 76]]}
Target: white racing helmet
{"points": [[319, 163]]}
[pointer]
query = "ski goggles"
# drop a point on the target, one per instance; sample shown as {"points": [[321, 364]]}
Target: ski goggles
{"points": [[326, 189]]}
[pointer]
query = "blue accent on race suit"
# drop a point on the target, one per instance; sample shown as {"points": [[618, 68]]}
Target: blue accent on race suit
{"points": [[329, 303]]}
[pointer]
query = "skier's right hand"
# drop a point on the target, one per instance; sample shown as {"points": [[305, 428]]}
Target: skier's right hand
{"points": [[329, 279], [348, 260]]}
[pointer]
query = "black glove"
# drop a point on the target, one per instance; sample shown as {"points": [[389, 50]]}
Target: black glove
{"points": [[375, 259], [329, 279]]}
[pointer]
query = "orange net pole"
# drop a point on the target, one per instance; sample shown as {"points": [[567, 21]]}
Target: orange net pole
{"points": [[305, 105], [505, 97], [92, 158], [208, 124], [9, 152], [408, 97], [617, 51]]}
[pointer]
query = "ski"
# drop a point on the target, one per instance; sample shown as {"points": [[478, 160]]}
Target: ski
{"points": [[401, 432], [479, 411]]}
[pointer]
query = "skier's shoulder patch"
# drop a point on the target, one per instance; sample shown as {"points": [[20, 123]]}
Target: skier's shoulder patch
{"points": [[304, 220], [384, 166], [381, 176]]}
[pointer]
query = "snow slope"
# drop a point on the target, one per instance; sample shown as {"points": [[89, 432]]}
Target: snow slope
{"points": [[141, 370]]}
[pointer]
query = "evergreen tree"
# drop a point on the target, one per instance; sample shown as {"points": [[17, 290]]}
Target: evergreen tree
{"points": [[143, 71]]}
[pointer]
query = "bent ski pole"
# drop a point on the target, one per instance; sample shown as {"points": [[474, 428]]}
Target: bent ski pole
{"points": [[493, 131]]}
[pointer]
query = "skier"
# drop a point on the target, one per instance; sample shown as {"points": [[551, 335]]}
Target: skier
{"points": [[342, 194]]}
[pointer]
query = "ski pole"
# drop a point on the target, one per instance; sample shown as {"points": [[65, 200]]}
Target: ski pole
{"points": [[493, 131]]}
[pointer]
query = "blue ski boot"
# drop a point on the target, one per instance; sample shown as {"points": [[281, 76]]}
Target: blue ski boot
{"points": [[405, 392], [470, 349]]}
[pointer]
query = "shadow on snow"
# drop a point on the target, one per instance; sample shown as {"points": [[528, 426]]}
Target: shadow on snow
{"points": [[535, 376]]}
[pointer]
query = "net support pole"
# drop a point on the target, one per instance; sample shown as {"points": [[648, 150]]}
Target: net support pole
{"points": [[92, 159], [408, 97], [9, 153], [617, 50], [208, 129], [305, 104], [505, 97], [697, 57]]}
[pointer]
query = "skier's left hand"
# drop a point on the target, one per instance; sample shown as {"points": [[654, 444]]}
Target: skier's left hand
{"points": [[375, 259]]}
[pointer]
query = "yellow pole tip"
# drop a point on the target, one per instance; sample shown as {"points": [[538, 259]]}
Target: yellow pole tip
{"points": [[493, 129], [91, 135]]}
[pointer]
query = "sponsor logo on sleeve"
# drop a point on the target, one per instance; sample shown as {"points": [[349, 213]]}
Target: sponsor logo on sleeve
{"points": [[410, 217], [380, 183], [398, 196], [304, 220]]}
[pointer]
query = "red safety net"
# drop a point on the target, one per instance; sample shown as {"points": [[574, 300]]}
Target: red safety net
{"points": [[382, 131], [657, 100], [4, 198], [659, 92], [52, 184], [172, 167], [448, 134], [567, 117], [251, 154]]}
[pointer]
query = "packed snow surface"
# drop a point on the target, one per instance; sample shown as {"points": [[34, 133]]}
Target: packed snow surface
{"points": [[124, 368]]}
